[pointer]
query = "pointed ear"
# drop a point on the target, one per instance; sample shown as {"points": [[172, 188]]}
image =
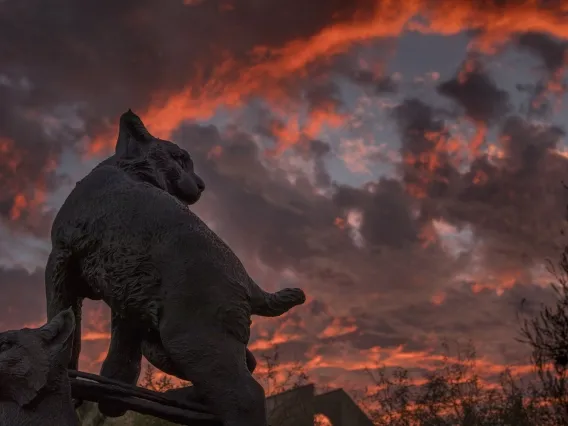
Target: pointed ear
{"points": [[58, 331], [133, 137]]}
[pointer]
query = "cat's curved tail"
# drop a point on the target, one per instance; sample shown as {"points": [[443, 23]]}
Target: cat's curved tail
{"points": [[59, 292], [275, 304]]}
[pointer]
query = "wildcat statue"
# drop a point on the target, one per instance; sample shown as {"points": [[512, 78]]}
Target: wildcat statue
{"points": [[34, 387], [178, 294]]}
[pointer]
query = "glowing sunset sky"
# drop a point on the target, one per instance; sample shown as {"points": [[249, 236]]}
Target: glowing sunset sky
{"points": [[402, 161]]}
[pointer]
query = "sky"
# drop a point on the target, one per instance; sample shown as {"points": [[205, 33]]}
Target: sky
{"points": [[401, 161]]}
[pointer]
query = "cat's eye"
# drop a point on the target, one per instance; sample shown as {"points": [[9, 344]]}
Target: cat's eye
{"points": [[179, 158], [186, 162]]}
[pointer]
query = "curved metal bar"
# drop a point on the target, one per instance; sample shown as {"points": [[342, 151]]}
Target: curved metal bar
{"points": [[91, 387]]}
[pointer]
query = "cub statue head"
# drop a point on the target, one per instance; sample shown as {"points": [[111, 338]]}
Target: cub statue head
{"points": [[30, 359], [156, 161]]}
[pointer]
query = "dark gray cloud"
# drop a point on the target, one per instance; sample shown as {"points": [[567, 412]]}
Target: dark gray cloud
{"points": [[22, 295], [323, 95], [478, 95], [319, 152], [527, 144], [426, 167], [388, 221], [68, 59], [464, 315], [496, 197], [517, 204], [287, 225], [483, 315], [277, 216], [30, 146], [370, 76], [550, 50], [378, 84], [536, 104], [82, 65], [385, 288], [553, 55]]}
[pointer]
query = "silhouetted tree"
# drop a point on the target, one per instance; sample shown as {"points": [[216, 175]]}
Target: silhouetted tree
{"points": [[275, 379], [547, 335], [159, 382], [453, 394]]}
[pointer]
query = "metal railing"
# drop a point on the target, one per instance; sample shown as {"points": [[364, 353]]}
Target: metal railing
{"points": [[170, 406]]}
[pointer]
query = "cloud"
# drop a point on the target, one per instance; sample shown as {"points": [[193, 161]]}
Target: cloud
{"points": [[376, 270], [64, 79], [208, 55], [386, 210], [138, 58], [357, 293], [477, 94], [551, 51], [495, 194], [23, 298], [342, 348], [553, 55], [380, 84], [500, 204], [28, 159], [319, 151], [287, 224], [426, 167], [278, 215]]}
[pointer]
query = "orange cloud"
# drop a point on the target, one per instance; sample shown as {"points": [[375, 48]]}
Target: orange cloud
{"points": [[202, 96], [231, 83], [438, 298], [27, 198], [10, 156], [498, 281], [29, 203], [338, 328]]}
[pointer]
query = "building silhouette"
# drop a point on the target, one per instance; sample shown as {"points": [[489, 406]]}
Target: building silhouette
{"points": [[298, 407]]}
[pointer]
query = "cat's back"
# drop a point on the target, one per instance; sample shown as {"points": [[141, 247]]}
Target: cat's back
{"points": [[103, 182], [109, 202]]}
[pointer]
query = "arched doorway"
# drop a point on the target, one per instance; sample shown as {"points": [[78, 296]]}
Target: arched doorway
{"points": [[322, 420]]}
